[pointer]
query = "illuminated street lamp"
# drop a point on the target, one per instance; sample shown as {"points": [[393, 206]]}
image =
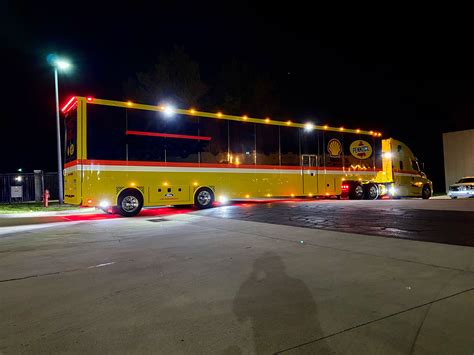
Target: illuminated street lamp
{"points": [[62, 65]]}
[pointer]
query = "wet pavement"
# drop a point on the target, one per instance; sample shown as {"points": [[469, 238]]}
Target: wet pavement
{"points": [[397, 219]]}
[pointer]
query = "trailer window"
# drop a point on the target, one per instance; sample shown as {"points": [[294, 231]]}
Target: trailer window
{"points": [[401, 165]]}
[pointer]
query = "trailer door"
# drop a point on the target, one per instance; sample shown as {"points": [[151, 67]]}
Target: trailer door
{"points": [[309, 172]]}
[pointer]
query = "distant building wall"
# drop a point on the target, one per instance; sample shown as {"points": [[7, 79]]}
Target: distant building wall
{"points": [[458, 155]]}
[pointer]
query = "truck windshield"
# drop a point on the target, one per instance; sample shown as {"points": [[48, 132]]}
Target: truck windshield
{"points": [[465, 180]]}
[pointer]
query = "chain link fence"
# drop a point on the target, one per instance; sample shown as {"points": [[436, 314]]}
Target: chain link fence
{"points": [[27, 187]]}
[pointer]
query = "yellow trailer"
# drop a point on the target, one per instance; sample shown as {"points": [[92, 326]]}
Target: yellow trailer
{"points": [[122, 156]]}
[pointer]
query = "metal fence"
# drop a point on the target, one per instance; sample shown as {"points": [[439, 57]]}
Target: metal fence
{"points": [[26, 187]]}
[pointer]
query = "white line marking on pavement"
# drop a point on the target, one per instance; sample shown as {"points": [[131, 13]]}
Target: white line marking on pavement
{"points": [[101, 265]]}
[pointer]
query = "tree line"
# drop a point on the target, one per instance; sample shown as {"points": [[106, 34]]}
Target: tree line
{"points": [[176, 77]]}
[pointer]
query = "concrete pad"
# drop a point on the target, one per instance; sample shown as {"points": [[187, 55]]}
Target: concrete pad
{"points": [[200, 285]]}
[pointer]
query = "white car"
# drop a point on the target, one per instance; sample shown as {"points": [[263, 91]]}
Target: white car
{"points": [[463, 188]]}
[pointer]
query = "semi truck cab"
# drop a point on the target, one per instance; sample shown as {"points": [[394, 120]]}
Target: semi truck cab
{"points": [[401, 176]]}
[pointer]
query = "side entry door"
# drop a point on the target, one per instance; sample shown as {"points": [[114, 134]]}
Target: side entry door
{"points": [[309, 163]]}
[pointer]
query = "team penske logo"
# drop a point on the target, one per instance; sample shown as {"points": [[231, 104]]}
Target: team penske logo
{"points": [[361, 149]]}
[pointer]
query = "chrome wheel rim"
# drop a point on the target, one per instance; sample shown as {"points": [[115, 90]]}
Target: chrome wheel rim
{"points": [[204, 198], [373, 192], [130, 203], [359, 191]]}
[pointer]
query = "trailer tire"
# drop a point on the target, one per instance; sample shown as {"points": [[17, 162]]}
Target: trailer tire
{"points": [[356, 192], [204, 198], [426, 192], [371, 191], [129, 203]]}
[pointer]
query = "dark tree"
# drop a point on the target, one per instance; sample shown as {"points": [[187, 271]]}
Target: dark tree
{"points": [[240, 89]]}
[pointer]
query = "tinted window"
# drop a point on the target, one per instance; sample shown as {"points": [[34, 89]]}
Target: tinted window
{"points": [[267, 145], [106, 132], [70, 123], [215, 150], [290, 146]]}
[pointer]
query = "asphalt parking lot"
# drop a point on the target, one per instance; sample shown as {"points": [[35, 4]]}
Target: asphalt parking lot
{"points": [[186, 281], [440, 221]]}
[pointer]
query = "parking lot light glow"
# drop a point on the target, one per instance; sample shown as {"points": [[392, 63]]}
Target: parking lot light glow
{"points": [[18, 178], [387, 155], [169, 111], [308, 126]]}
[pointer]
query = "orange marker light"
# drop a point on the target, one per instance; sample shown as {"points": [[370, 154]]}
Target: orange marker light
{"points": [[165, 183], [219, 114], [132, 184], [326, 126], [245, 117], [288, 123], [130, 103], [267, 120], [341, 129], [195, 183], [89, 202], [247, 196], [292, 195], [193, 111], [357, 130]]}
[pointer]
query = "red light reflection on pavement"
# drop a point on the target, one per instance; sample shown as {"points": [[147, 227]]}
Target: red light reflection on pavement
{"points": [[90, 217], [169, 211]]}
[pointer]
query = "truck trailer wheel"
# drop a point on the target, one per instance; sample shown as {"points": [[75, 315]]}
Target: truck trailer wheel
{"points": [[204, 198], [371, 191], [426, 192], [130, 203], [356, 192]]}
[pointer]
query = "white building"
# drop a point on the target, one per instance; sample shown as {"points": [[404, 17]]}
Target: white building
{"points": [[458, 155]]}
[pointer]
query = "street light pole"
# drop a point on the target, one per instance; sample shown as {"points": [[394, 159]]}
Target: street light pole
{"points": [[58, 138]]}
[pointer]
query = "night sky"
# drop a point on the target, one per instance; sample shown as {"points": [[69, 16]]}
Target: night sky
{"points": [[403, 71]]}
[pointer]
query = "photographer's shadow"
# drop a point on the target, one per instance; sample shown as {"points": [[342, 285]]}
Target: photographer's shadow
{"points": [[280, 308]]}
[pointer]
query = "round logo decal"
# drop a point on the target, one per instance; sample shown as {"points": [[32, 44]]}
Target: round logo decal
{"points": [[361, 149], [334, 148]]}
